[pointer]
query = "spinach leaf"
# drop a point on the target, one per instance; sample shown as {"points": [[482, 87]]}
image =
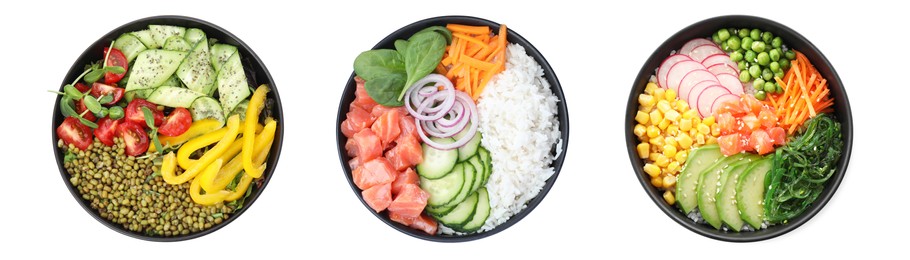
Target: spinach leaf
{"points": [[424, 52], [439, 29], [384, 90], [401, 45], [373, 64]]}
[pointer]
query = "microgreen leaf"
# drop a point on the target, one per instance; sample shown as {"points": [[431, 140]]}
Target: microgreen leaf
{"points": [[67, 107], [72, 92], [114, 69], [92, 104], [106, 99], [149, 118], [88, 123]]}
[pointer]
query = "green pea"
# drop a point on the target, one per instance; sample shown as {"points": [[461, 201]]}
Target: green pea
{"points": [[736, 56], [790, 55], [744, 76], [723, 34], [750, 56], [742, 65], [778, 89], [777, 42], [755, 71], [747, 43], [758, 84], [755, 34], [115, 112], [767, 74], [743, 33], [779, 74], [774, 66], [715, 38], [760, 95], [769, 87], [784, 64], [724, 46], [758, 46], [763, 59], [734, 43], [775, 54], [767, 37]]}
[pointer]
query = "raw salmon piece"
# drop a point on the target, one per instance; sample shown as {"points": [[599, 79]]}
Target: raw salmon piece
{"points": [[410, 201], [351, 148], [379, 110], [369, 146], [357, 120], [408, 176], [386, 126], [354, 163], [379, 197], [361, 98], [408, 126], [406, 153], [425, 223], [401, 219], [375, 172]]}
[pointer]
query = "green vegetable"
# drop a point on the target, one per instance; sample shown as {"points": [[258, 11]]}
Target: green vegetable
{"points": [[401, 45], [777, 42], [755, 34], [72, 92], [92, 104], [715, 38], [760, 95], [790, 55], [769, 87], [150, 121], [378, 63], [758, 46], [755, 71], [734, 43], [744, 76], [758, 84], [115, 112], [743, 33], [802, 167], [767, 75], [736, 56], [384, 90], [747, 43], [767, 37], [742, 65], [775, 54], [425, 50], [784, 64], [774, 66], [750, 56], [723, 34], [763, 59], [439, 29]]}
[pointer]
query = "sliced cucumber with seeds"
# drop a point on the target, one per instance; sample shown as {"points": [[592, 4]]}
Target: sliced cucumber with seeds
{"points": [[750, 192], [173, 96], [232, 84], [129, 45], [240, 110], [220, 54], [194, 35], [160, 33], [152, 68], [445, 189], [196, 72], [145, 36], [177, 43], [687, 183], [207, 107], [462, 214], [437, 163], [481, 212]]}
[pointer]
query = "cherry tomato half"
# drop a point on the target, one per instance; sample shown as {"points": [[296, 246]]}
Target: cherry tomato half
{"points": [[82, 87], [72, 131], [80, 107], [176, 123], [100, 89], [116, 58], [135, 140], [133, 112], [107, 130]]}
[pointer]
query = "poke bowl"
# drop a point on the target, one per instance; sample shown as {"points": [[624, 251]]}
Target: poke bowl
{"points": [[430, 118], [738, 128], [146, 122]]}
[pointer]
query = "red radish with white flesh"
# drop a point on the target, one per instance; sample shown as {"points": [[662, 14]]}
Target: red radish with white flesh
{"points": [[723, 99], [721, 58], [721, 68], [679, 70], [684, 93], [665, 68], [694, 77], [707, 97], [730, 82], [694, 43], [701, 53]]}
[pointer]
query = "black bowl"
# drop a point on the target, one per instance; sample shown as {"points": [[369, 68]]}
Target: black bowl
{"points": [[348, 96], [793, 40], [256, 73]]}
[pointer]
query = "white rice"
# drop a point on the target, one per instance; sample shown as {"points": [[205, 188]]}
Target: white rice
{"points": [[518, 121]]}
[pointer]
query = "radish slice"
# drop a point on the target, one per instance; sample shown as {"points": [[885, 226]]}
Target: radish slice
{"points": [[665, 68], [721, 100], [701, 53], [679, 70], [730, 82], [691, 95], [707, 97], [694, 77], [722, 68], [721, 58], [692, 44]]}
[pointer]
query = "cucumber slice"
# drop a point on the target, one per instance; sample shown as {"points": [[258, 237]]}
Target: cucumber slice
{"points": [[439, 211], [487, 160], [196, 72], [480, 170], [240, 110], [177, 43], [469, 175], [129, 45], [462, 214], [445, 189], [172, 81], [207, 107], [232, 84], [750, 192], [173, 96], [437, 163], [160, 33], [145, 36], [726, 198], [194, 35], [481, 212], [699, 160], [708, 185], [220, 54], [142, 93], [469, 149], [152, 68]]}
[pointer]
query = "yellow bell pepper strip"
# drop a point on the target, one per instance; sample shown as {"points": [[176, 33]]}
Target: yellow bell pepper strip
{"points": [[235, 165], [261, 154], [183, 154], [257, 102], [168, 166], [208, 198], [198, 128], [233, 126]]}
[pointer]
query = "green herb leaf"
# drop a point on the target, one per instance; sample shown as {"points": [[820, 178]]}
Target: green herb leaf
{"points": [[88, 123], [378, 63], [92, 104], [155, 141], [425, 50], [114, 69], [69, 156], [67, 107], [102, 113], [115, 112], [218, 215], [384, 90], [149, 118], [106, 99], [72, 92], [93, 76]]}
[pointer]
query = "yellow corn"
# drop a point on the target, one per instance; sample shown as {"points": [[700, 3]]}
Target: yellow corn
{"points": [[669, 150], [700, 138], [653, 156], [652, 170], [672, 130], [684, 141], [653, 131], [670, 95], [640, 130], [642, 117], [708, 120], [657, 181], [685, 125], [662, 160], [643, 150], [659, 93], [669, 181], [646, 100], [657, 141], [645, 109], [669, 140], [650, 87], [682, 105], [690, 114], [664, 124], [673, 168], [663, 106], [703, 129], [656, 117], [672, 115], [668, 196], [681, 156], [711, 140], [715, 130]]}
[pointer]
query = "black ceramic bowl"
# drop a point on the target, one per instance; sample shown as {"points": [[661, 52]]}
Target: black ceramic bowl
{"points": [[513, 37], [256, 74], [793, 40]]}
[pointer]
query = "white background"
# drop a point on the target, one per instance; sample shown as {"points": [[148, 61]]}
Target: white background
{"points": [[596, 209]]}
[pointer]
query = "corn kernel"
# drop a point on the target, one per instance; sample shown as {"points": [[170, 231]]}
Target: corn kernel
{"points": [[670, 140], [640, 130], [652, 170], [657, 181], [684, 141], [669, 150], [696, 121], [663, 106], [646, 109], [700, 138], [656, 117], [711, 140], [653, 156], [669, 181], [662, 160], [703, 129], [681, 156], [708, 120], [673, 115], [672, 130], [673, 168], [682, 106], [690, 114], [715, 130], [670, 95], [646, 100], [657, 141], [664, 124], [659, 93], [643, 150], [642, 117], [650, 87], [669, 198], [685, 125], [653, 131]]}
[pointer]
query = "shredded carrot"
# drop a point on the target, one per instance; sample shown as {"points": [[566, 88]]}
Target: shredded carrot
{"points": [[475, 55], [806, 94]]}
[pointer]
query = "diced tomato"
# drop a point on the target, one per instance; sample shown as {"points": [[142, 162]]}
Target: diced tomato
{"points": [[375, 172], [761, 142], [408, 176], [410, 201], [133, 112], [751, 122], [134, 138], [726, 122], [176, 123], [115, 58], [82, 87], [72, 131], [80, 107], [100, 89], [107, 130], [750, 104], [778, 135], [767, 118], [730, 144], [379, 197]]}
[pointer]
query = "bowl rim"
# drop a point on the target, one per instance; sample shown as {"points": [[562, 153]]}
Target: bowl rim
{"points": [[702, 229], [276, 150], [562, 107]]}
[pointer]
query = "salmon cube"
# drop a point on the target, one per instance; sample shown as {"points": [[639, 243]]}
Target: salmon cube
{"points": [[408, 126], [425, 223], [368, 145], [354, 163], [357, 120], [361, 98], [407, 153], [386, 126], [410, 201], [351, 148], [375, 172], [379, 197], [409, 176]]}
